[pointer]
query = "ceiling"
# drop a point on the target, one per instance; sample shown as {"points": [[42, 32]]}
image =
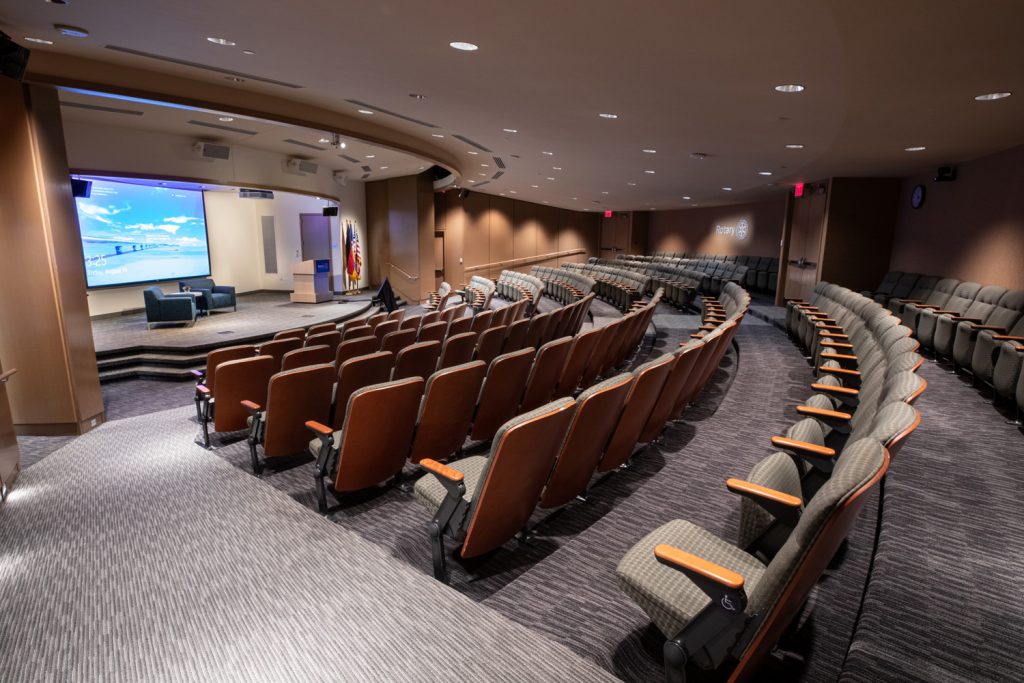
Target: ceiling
{"points": [[359, 160], [682, 76]]}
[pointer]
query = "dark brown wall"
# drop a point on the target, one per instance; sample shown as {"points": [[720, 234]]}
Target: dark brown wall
{"points": [[859, 231], [497, 232], [970, 229], [693, 230]]}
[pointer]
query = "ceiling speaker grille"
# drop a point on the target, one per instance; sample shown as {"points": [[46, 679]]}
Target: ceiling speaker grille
{"points": [[499, 162], [300, 143], [471, 143], [96, 107], [218, 126]]}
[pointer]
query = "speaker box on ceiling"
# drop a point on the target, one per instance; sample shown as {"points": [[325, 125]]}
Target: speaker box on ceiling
{"points": [[330, 211], [13, 58], [945, 174]]}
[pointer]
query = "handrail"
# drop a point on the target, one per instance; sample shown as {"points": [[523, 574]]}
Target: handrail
{"points": [[526, 260], [412, 278], [7, 375]]}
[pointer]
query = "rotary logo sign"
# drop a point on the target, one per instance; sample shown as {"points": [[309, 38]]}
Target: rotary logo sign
{"points": [[740, 231]]}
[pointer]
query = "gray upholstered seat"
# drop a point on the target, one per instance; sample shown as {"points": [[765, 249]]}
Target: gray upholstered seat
{"points": [[431, 493]]}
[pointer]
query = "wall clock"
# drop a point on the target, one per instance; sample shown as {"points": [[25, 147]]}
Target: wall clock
{"points": [[917, 197]]}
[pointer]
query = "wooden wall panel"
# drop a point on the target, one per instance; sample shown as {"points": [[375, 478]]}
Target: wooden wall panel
{"points": [[693, 231], [547, 229], [500, 231], [377, 230], [403, 237], [524, 236], [476, 236], [859, 231]]}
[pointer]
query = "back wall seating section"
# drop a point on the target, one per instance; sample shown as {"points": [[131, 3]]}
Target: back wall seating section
{"points": [[762, 273], [564, 286], [978, 329], [477, 292], [514, 286], [714, 273]]}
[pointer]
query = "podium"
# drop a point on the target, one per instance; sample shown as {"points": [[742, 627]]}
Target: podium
{"points": [[311, 282]]}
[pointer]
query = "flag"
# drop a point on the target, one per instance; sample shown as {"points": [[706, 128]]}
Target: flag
{"points": [[349, 260], [357, 258]]}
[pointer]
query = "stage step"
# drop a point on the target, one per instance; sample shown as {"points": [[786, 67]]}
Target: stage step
{"points": [[178, 374]]}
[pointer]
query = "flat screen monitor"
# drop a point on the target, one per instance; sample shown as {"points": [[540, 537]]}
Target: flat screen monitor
{"points": [[141, 231]]}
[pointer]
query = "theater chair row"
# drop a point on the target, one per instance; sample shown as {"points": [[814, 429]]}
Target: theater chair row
{"points": [[515, 286], [548, 457], [724, 606], [477, 292], [563, 285], [620, 287], [436, 301], [712, 275], [762, 272], [980, 329]]}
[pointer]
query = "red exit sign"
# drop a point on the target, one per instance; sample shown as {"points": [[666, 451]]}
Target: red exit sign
{"points": [[798, 190], [607, 214]]}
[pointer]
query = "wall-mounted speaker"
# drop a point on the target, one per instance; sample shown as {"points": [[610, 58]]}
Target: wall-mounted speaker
{"points": [[301, 165], [463, 193], [210, 150], [330, 211], [13, 58], [81, 188], [945, 174]]}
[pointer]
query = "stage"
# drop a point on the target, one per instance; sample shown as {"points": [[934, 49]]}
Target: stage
{"points": [[126, 347]]}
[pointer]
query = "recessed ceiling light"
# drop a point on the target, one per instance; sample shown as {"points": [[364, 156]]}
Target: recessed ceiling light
{"points": [[364, 111], [651, 172], [472, 152], [631, 184], [686, 197], [383, 168], [229, 119], [550, 154], [71, 31], [422, 167], [604, 192], [727, 189], [510, 130], [471, 180], [502, 194], [609, 116], [248, 52], [38, 41], [436, 135], [222, 41], [988, 97], [550, 178], [484, 165], [512, 192], [417, 96], [575, 198], [322, 141], [545, 202], [484, 174], [764, 173], [464, 46], [794, 146], [650, 151], [789, 87], [234, 79], [535, 186], [699, 156], [914, 149], [370, 156], [556, 168]]}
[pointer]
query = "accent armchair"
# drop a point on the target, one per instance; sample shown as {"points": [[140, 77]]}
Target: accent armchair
{"points": [[212, 295], [168, 308]]}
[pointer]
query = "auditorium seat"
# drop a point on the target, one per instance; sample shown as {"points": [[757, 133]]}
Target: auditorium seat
{"points": [[481, 321], [454, 312], [538, 327], [685, 362], [597, 413], [297, 333], [599, 358], [484, 501], [436, 301], [921, 290], [376, 319], [430, 318], [958, 302], [320, 328], [417, 360], [988, 354], [411, 323], [355, 347], [356, 332], [277, 348], [293, 396], [330, 339], [460, 326], [946, 324], [503, 388], [457, 350], [704, 593], [308, 355], [885, 287], [435, 331], [488, 345], [207, 377], [1008, 361], [547, 368], [583, 347], [398, 315], [373, 442], [999, 320], [354, 374], [397, 340], [446, 411], [386, 327], [649, 378], [516, 337], [236, 380], [910, 310]]}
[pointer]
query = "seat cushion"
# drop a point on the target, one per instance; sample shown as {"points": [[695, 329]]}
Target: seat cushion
{"points": [[431, 492], [314, 444], [668, 597], [220, 300]]}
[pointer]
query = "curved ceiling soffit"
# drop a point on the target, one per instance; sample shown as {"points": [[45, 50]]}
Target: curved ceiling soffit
{"points": [[54, 69]]}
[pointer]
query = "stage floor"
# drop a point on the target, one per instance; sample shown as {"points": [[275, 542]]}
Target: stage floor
{"points": [[258, 316]]}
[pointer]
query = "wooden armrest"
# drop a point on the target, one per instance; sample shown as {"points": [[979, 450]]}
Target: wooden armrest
{"points": [[794, 445], [203, 389], [695, 336], [838, 356], [937, 311], [838, 345], [910, 301], [839, 371], [829, 388], [746, 487], [823, 326], [962, 319], [252, 406], [321, 429], [824, 319], [678, 559], [441, 470], [808, 308], [830, 333], [998, 328], [708, 327], [797, 301], [1007, 337], [823, 413]]}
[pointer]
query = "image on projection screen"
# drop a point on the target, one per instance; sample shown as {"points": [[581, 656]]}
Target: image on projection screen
{"points": [[133, 233]]}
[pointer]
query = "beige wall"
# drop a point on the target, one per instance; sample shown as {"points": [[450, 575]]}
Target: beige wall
{"points": [[970, 229], [695, 230]]}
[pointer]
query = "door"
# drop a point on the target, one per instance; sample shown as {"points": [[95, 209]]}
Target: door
{"points": [[315, 230], [10, 456], [806, 234], [615, 235]]}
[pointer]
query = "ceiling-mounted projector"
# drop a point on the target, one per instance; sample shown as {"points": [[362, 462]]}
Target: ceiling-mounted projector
{"points": [[245, 193]]}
